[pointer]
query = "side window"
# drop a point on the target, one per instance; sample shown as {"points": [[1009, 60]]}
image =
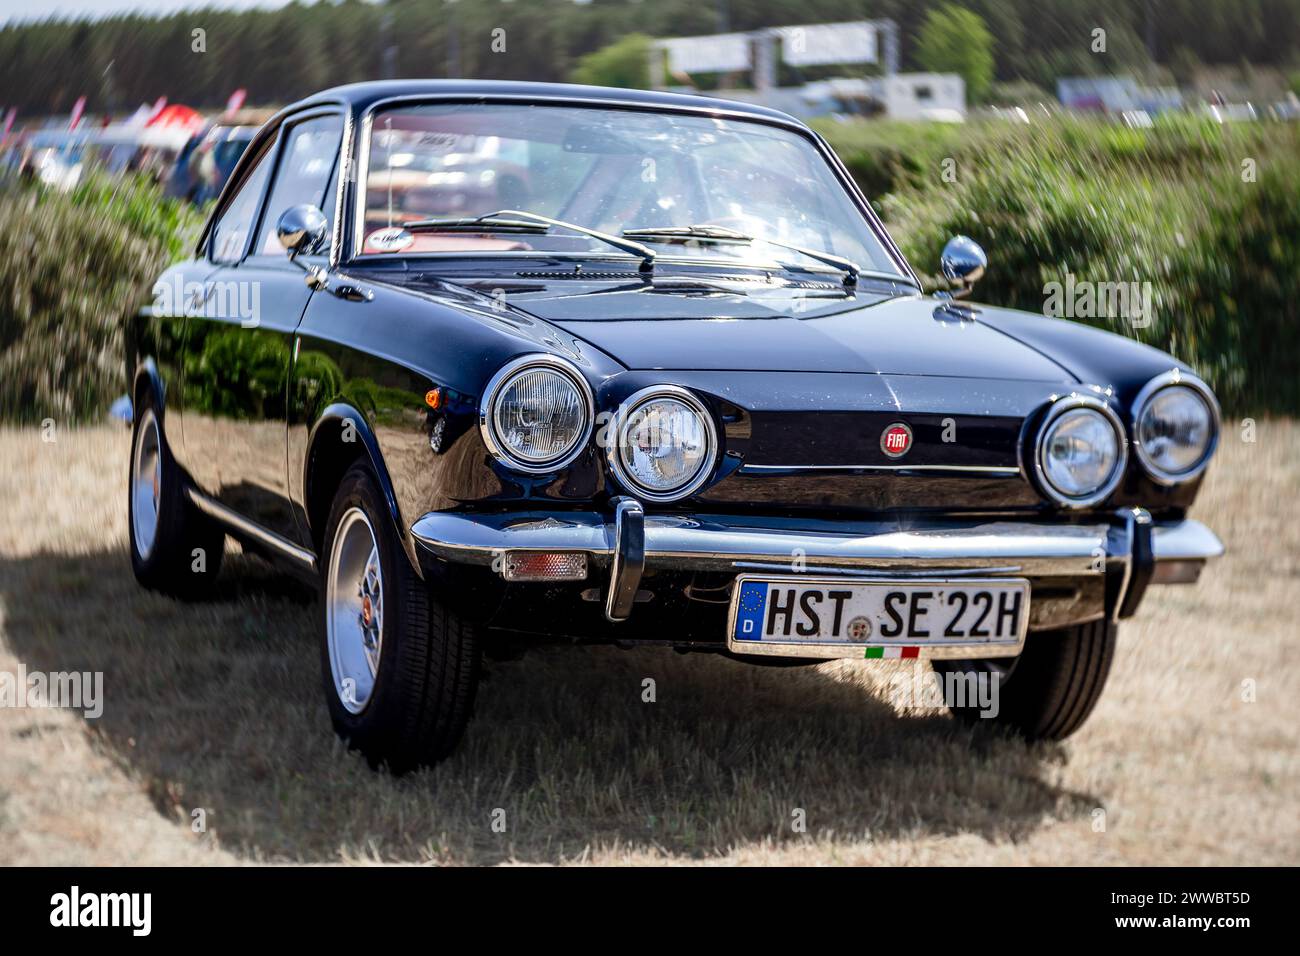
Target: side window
{"points": [[306, 170], [230, 235]]}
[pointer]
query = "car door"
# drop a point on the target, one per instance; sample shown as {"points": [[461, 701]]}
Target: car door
{"points": [[203, 378], [240, 350]]}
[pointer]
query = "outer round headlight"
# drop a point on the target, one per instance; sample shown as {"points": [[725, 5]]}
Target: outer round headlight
{"points": [[1081, 451], [537, 414], [664, 444], [1175, 427]]}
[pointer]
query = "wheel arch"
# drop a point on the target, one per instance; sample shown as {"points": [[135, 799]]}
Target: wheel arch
{"points": [[148, 380], [149, 383], [329, 456]]}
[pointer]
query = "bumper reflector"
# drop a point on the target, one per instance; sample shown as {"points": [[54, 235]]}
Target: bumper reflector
{"points": [[544, 566]]}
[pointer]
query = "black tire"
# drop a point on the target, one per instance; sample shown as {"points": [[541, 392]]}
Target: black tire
{"points": [[184, 557], [1050, 689], [415, 712]]}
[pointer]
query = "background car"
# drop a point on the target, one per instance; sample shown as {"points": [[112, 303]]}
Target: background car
{"points": [[206, 162]]}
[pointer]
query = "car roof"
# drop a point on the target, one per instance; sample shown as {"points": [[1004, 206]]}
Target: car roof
{"points": [[361, 96]]}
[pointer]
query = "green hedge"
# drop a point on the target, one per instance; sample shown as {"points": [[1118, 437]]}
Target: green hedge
{"points": [[1171, 206], [1166, 206], [73, 268]]}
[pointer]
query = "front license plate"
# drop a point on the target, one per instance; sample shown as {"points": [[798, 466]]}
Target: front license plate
{"points": [[805, 616]]}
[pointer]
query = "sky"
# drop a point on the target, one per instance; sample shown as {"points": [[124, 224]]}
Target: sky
{"points": [[19, 11], [12, 11]]}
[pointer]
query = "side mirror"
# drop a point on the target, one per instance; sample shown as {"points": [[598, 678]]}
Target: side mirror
{"points": [[963, 262], [301, 229]]}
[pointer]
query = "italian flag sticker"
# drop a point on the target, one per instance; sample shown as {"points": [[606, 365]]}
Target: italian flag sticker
{"points": [[891, 652]]}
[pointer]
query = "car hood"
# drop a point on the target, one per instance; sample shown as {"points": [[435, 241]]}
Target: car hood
{"points": [[871, 329]]}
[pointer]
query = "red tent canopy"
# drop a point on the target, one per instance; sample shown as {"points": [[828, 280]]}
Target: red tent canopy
{"points": [[177, 115]]}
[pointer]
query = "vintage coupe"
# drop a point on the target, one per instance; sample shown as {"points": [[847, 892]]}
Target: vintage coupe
{"points": [[496, 362]]}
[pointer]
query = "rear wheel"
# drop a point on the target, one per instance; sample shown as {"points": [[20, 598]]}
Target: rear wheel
{"points": [[399, 668], [1050, 689], [175, 548]]}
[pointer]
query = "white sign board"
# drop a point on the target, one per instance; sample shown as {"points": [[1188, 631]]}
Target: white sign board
{"points": [[824, 43], [719, 53]]}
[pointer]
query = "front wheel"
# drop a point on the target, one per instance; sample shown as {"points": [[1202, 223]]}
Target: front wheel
{"points": [[1044, 694], [399, 668]]}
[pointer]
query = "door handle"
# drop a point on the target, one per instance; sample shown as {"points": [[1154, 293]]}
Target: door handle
{"points": [[352, 293]]}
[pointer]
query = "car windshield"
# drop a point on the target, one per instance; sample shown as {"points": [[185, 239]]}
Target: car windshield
{"points": [[609, 170]]}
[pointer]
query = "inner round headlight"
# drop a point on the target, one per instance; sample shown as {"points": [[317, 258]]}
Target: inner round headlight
{"points": [[1175, 430], [1081, 452], [537, 413], [666, 442]]}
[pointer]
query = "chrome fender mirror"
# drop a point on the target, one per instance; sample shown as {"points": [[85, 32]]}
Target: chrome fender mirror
{"points": [[301, 229], [963, 262]]}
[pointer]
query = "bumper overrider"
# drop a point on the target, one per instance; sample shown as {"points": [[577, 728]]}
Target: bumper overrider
{"points": [[1076, 571]]}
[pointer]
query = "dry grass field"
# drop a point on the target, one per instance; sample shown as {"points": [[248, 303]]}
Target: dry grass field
{"points": [[218, 706]]}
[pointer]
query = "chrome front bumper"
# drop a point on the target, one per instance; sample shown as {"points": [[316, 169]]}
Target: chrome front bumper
{"points": [[1129, 550]]}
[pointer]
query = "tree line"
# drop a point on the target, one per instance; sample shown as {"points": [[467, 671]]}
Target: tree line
{"points": [[199, 57]]}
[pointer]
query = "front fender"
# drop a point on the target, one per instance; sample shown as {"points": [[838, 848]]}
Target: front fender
{"points": [[339, 437], [1092, 355]]}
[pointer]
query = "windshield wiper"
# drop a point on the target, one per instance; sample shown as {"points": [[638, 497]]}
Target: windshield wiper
{"points": [[517, 220], [480, 224], [722, 236]]}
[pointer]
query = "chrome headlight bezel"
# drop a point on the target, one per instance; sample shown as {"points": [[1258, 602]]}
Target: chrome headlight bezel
{"points": [[496, 385], [1176, 378], [1060, 407], [622, 418]]}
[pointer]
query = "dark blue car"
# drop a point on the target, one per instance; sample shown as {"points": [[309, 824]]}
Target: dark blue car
{"points": [[501, 363], [206, 162]]}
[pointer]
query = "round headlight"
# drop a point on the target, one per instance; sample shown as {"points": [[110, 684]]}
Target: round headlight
{"points": [[1081, 451], [665, 443], [1175, 427], [537, 414]]}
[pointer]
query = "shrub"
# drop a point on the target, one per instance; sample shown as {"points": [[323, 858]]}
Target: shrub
{"points": [[1172, 205], [625, 62], [73, 268]]}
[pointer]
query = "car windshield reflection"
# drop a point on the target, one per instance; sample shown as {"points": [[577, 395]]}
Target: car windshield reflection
{"points": [[608, 170]]}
